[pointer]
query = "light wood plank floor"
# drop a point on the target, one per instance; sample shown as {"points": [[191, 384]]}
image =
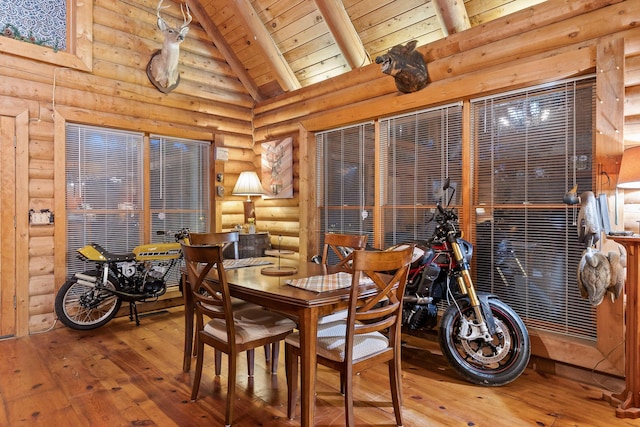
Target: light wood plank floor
{"points": [[123, 375]]}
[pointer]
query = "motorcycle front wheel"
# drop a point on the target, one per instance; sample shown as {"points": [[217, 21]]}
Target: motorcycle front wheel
{"points": [[83, 307], [493, 363]]}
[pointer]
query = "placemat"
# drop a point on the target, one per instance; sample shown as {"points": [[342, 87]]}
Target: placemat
{"points": [[244, 262], [324, 283]]}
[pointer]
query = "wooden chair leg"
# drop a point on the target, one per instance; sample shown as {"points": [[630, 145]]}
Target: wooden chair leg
{"points": [[291, 369], [198, 375], [395, 379], [231, 390], [275, 354], [348, 399], [188, 341], [267, 352], [250, 361], [218, 362]]}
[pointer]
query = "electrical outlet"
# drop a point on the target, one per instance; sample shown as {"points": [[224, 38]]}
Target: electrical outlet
{"points": [[44, 217]]}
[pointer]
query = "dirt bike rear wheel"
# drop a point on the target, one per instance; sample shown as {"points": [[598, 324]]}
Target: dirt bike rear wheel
{"points": [[492, 363], [84, 307]]}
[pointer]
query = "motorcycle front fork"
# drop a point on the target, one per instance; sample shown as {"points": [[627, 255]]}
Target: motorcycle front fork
{"points": [[469, 330]]}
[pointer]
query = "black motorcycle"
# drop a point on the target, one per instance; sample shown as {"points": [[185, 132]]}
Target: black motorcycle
{"points": [[483, 339]]}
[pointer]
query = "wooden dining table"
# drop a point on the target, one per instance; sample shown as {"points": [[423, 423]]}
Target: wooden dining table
{"points": [[273, 292]]}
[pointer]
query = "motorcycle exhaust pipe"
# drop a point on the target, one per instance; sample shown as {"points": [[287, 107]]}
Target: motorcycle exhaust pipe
{"points": [[85, 280], [86, 277], [415, 299]]}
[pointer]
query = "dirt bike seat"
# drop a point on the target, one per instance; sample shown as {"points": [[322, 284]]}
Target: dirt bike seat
{"points": [[113, 257]]}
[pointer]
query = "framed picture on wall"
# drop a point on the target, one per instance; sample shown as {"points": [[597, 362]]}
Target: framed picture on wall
{"points": [[277, 168]]}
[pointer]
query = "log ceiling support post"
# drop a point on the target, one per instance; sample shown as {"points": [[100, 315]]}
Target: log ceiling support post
{"points": [[344, 32], [247, 14], [219, 41], [452, 15]]}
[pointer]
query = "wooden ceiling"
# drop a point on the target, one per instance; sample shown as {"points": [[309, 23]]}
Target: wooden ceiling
{"points": [[277, 46]]}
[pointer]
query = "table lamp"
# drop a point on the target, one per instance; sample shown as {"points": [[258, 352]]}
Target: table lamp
{"points": [[629, 175], [248, 184]]}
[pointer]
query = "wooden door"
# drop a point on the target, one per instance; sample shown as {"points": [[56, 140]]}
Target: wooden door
{"points": [[7, 227]]}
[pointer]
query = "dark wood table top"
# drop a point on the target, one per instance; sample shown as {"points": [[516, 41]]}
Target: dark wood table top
{"points": [[250, 284]]}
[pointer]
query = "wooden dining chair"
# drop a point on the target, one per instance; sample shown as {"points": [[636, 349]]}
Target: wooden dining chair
{"points": [[342, 247], [225, 239], [271, 353], [370, 334], [228, 330]]}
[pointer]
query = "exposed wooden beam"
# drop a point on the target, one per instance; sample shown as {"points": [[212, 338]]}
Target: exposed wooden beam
{"points": [[252, 22], [344, 32], [218, 40], [452, 16], [631, 130]]}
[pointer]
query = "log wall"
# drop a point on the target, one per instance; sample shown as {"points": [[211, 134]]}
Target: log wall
{"points": [[111, 89]]}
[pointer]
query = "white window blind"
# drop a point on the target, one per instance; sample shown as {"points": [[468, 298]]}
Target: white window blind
{"points": [[105, 189], [104, 182], [529, 147], [345, 180], [179, 185], [418, 152]]}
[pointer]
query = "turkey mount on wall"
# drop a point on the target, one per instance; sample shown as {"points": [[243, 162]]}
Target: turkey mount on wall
{"points": [[407, 67], [597, 274]]}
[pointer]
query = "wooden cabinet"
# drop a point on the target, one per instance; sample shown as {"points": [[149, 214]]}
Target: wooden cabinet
{"points": [[250, 245]]}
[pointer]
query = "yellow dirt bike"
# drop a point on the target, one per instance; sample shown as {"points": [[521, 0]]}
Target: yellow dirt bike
{"points": [[92, 298]]}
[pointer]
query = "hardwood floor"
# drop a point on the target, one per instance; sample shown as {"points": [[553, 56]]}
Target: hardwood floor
{"points": [[123, 375]]}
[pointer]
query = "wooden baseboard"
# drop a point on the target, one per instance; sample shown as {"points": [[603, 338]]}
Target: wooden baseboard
{"points": [[428, 339]]}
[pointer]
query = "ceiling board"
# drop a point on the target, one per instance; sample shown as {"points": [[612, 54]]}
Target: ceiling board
{"points": [[302, 50]]}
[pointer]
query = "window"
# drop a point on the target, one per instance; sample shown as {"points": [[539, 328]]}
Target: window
{"points": [[105, 195], [418, 152], [104, 190], [75, 51], [41, 22], [345, 180], [530, 147], [176, 165]]}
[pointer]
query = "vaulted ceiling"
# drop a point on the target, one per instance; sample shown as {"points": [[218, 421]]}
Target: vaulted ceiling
{"points": [[277, 46]]}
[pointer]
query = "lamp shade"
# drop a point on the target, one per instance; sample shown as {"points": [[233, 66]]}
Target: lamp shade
{"points": [[248, 184], [629, 175]]}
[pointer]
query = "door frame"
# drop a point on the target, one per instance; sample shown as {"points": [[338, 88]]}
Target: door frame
{"points": [[15, 239]]}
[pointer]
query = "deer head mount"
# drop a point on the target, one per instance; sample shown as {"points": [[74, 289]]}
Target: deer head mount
{"points": [[162, 68]]}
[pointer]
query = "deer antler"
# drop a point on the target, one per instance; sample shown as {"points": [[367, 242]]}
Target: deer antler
{"points": [[158, 9], [185, 17]]}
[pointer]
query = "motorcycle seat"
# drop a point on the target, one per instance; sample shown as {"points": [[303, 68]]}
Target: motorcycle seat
{"points": [[113, 257]]}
